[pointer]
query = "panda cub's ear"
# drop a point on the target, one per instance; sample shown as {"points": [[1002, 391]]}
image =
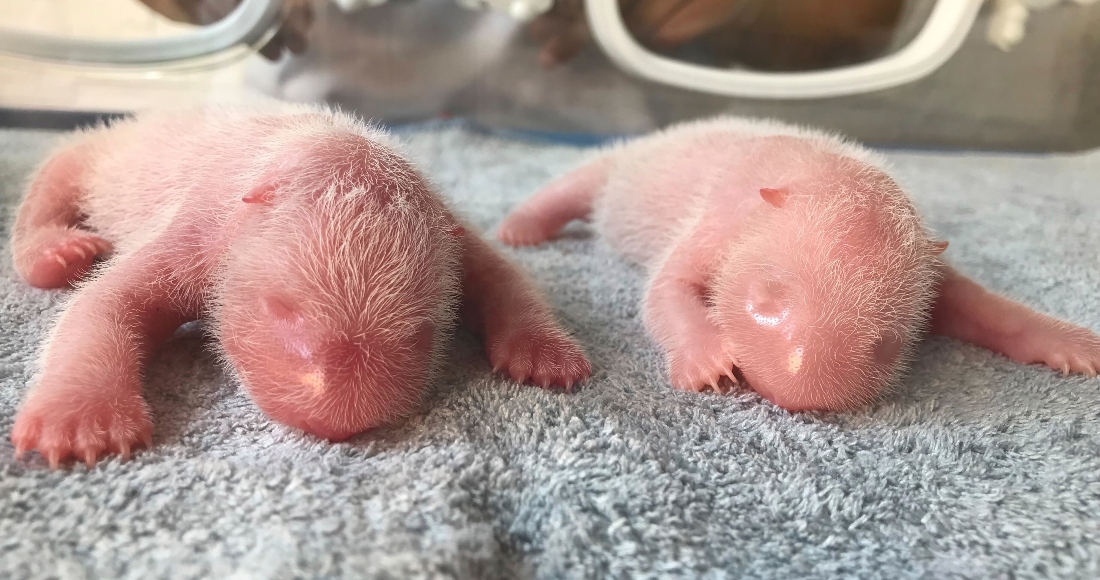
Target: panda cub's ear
{"points": [[775, 197], [264, 194]]}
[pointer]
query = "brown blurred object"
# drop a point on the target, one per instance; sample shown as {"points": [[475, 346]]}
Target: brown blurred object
{"points": [[561, 33], [808, 34], [297, 16], [760, 34]]}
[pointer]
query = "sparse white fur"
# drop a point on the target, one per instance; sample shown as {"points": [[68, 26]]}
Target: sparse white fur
{"points": [[116, 175], [685, 203], [329, 268]]}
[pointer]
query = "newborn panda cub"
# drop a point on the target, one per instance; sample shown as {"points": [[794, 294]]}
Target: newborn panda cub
{"points": [[330, 273], [786, 257]]}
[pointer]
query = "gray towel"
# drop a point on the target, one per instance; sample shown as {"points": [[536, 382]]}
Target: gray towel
{"points": [[976, 468]]}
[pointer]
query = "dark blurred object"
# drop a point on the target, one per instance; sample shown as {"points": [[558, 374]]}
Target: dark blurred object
{"points": [[407, 61], [771, 35], [561, 33], [790, 35], [297, 16], [53, 120]]}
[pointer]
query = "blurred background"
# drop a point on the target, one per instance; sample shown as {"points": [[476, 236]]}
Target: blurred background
{"points": [[1003, 74]]}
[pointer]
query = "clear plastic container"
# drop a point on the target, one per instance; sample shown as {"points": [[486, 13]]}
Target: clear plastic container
{"points": [[913, 73]]}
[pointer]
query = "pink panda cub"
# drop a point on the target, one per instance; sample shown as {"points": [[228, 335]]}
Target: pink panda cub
{"points": [[788, 256], [330, 271]]}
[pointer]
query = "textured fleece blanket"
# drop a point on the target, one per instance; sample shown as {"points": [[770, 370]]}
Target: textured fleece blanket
{"points": [[976, 468]]}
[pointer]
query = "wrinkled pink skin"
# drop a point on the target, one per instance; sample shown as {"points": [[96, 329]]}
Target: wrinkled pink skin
{"points": [[330, 271], [788, 255]]}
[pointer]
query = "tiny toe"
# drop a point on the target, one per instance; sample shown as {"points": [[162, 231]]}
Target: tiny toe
{"points": [[25, 433], [89, 458], [54, 457], [724, 369], [1082, 365], [543, 376], [507, 237], [60, 261], [499, 360], [519, 372], [122, 438], [499, 356]]}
